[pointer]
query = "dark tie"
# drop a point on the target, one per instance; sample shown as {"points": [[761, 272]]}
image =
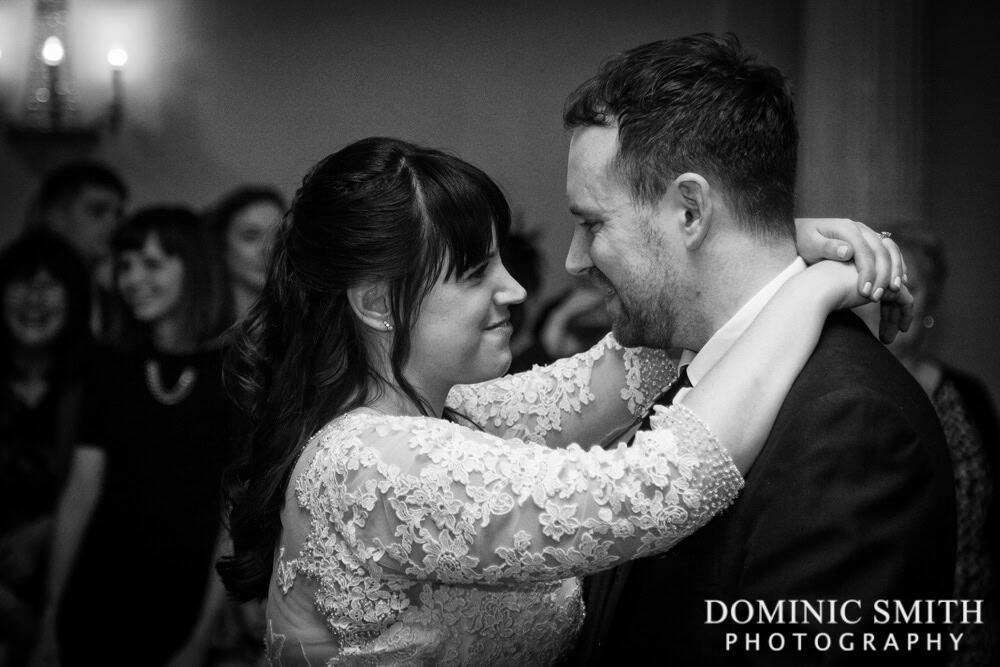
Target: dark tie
{"points": [[667, 397]]}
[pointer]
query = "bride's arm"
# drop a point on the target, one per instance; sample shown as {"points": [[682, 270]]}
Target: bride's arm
{"points": [[422, 498], [579, 399], [740, 397]]}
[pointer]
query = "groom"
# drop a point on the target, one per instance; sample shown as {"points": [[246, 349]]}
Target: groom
{"points": [[680, 177]]}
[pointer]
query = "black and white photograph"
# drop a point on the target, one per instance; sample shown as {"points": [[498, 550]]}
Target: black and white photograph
{"points": [[341, 332]]}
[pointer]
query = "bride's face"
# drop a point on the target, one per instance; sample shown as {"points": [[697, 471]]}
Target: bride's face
{"points": [[462, 334]]}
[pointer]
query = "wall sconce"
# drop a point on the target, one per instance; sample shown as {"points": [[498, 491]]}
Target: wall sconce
{"points": [[49, 114], [117, 58]]}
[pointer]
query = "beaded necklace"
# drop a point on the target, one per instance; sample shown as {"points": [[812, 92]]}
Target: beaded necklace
{"points": [[181, 390]]}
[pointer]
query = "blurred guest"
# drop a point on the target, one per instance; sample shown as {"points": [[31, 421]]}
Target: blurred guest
{"points": [[44, 340], [83, 201], [245, 220], [569, 323], [137, 526], [967, 414]]}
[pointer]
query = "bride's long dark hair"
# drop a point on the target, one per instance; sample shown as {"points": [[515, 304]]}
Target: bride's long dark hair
{"points": [[379, 209]]}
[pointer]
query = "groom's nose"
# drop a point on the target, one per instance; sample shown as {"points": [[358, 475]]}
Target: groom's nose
{"points": [[578, 258]]}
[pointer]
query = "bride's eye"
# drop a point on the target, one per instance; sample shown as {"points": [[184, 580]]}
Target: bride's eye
{"points": [[476, 273]]}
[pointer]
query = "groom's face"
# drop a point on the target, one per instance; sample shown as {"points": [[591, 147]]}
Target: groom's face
{"points": [[626, 249]]}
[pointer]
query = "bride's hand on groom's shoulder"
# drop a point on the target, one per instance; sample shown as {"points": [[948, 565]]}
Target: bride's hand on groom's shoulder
{"points": [[837, 283], [876, 256]]}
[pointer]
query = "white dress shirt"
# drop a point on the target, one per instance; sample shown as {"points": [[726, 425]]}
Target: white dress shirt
{"points": [[699, 363]]}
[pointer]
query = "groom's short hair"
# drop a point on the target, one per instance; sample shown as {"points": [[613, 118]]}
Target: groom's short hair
{"points": [[699, 103]]}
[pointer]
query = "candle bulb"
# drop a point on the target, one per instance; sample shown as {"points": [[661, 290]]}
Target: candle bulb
{"points": [[52, 56], [117, 57]]}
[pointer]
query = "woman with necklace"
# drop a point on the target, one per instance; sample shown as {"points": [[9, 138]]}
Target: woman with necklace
{"points": [[141, 504]]}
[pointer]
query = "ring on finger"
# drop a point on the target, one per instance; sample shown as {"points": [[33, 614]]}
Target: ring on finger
{"points": [[884, 235]]}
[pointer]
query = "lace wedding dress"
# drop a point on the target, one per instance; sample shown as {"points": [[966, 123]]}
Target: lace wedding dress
{"points": [[419, 541]]}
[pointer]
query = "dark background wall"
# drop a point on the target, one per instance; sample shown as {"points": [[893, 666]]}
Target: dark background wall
{"points": [[962, 196], [897, 104]]}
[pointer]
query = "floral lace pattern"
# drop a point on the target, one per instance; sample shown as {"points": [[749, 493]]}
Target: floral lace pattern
{"points": [[532, 405], [421, 541]]}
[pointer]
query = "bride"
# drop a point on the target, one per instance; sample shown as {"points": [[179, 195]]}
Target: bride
{"points": [[393, 511]]}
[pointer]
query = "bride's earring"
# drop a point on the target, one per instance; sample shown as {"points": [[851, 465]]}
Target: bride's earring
{"points": [[388, 326]]}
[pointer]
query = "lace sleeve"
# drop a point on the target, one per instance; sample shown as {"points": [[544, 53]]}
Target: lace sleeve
{"points": [[418, 498], [546, 404]]}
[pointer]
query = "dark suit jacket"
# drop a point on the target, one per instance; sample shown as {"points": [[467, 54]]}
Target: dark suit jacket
{"points": [[851, 498]]}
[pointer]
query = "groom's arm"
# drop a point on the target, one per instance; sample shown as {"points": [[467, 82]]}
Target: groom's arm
{"points": [[858, 507]]}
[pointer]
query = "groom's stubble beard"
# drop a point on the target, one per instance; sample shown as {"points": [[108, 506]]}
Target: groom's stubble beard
{"points": [[646, 315]]}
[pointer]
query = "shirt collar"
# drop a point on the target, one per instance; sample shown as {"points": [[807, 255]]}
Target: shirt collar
{"points": [[699, 363]]}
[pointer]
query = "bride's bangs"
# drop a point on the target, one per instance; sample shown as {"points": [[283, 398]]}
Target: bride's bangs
{"points": [[467, 215]]}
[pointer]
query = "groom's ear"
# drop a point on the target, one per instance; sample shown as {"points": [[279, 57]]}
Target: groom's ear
{"points": [[695, 199], [370, 304]]}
